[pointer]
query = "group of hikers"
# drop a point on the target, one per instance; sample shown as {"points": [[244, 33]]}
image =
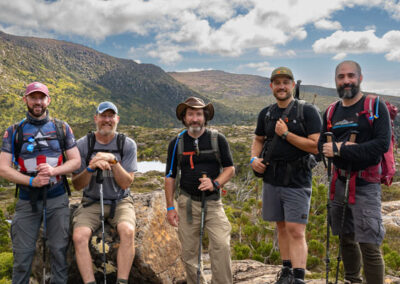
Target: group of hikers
{"points": [[39, 151]]}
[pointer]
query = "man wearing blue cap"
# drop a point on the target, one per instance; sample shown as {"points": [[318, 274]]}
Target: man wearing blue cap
{"points": [[115, 155]]}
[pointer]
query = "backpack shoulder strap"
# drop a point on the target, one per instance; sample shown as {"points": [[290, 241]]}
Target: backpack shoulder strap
{"points": [[121, 138], [329, 114], [91, 140], [61, 132], [215, 146], [369, 104], [180, 151], [267, 117], [17, 140], [300, 114]]}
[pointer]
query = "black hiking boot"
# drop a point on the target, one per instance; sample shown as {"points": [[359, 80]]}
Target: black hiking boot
{"points": [[285, 276], [298, 281]]}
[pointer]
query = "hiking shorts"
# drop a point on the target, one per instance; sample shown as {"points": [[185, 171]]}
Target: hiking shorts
{"points": [[286, 203], [90, 216], [363, 218]]}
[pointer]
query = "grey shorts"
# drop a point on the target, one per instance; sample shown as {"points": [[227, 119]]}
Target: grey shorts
{"points": [[363, 218], [286, 204]]}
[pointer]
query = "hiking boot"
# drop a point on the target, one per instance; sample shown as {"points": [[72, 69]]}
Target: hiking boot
{"points": [[285, 276], [298, 281]]}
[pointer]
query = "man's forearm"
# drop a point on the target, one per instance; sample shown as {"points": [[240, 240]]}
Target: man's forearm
{"points": [[226, 175], [169, 191], [121, 176], [81, 180]]}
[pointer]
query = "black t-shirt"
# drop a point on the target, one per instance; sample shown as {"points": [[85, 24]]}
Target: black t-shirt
{"points": [[207, 162], [284, 151], [372, 141]]}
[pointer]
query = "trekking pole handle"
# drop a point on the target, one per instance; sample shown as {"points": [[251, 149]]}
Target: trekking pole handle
{"points": [[329, 137], [99, 176], [203, 193], [353, 135]]}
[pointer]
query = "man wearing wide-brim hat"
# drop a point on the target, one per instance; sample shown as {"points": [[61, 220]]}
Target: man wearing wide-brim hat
{"points": [[195, 152]]}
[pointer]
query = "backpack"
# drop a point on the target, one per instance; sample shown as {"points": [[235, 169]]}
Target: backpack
{"points": [[17, 141], [179, 146], [386, 169], [91, 140]]}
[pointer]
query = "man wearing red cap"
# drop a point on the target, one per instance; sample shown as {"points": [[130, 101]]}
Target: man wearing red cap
{"points": [[286, 173], [193, 156], [33, 145]]}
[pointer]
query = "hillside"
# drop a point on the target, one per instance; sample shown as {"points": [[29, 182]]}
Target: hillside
{"points": [[79, 78], [250, 93]]}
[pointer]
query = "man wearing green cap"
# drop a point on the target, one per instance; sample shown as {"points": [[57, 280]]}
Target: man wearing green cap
{"points": [[285, 164]]}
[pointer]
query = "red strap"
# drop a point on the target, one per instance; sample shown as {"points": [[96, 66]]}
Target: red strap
{"points": [[352, 186], [191, 158], [329, 113]]}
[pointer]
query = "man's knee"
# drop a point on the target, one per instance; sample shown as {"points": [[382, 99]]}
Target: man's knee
{"points": [[126, 232], [81, 236], [296, 231]]}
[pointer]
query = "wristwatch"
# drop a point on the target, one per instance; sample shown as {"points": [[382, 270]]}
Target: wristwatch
{"points": [[216, 185], [284, 135], [113, 162]]}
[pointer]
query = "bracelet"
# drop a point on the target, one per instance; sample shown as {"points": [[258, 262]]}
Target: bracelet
{"points": [[90, 170], [31, 181], [252, 159], [170, 208]]}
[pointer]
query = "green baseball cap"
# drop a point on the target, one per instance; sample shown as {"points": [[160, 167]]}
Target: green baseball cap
{"points": [[281, 71]]}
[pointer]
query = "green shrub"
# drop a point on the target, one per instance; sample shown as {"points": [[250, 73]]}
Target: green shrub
{"points": [[6, 265], [241, 251]]}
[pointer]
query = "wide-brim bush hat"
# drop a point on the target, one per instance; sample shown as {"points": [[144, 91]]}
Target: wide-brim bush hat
{"points": [[196, 103]]}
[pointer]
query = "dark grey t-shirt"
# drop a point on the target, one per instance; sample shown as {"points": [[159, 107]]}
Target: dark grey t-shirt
{"points": [[111, 189]]}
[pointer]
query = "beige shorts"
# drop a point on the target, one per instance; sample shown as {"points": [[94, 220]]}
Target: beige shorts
{"points": [[90, 216]]}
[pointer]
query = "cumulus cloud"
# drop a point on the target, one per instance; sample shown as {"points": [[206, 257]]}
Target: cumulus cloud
{"points": [[263, 67], [218, 27], [352, 42], [324, 24]]}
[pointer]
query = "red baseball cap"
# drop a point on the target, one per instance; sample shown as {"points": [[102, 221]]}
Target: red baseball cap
{"points": [[36, 87]]}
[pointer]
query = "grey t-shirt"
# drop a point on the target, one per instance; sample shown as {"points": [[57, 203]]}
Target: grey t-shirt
{"points": [[111, 189]]}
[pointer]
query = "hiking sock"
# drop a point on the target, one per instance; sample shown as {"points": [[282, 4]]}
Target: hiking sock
{"points": [[374, 267], [299, 273], [122, 281], [287, 263], [351, 256]]}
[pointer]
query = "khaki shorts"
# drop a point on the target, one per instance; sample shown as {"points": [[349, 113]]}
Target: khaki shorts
{"points": [[90, 216]]}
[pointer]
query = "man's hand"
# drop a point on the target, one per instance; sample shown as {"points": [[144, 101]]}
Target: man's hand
{"points": [[99, 164], [206, 184], [172, 217], [46, 170], [41, 180], [258, 166], [102, 156], [327, 148], [280, 127]]}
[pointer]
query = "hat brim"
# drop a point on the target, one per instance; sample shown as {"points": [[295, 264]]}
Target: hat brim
{"points": [[36, 91], [180, 109]]}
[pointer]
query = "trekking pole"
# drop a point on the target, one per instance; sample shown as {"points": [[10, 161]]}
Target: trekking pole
{"points": [[329, 136], [99, 180], [44, 233], [353, 135], [203, 205]]}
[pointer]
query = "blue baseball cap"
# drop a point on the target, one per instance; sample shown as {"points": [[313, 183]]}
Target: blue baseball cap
{"points": [[105, 106]]}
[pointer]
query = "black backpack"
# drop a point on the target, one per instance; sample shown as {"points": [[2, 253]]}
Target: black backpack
{"points": [[91, 140]]}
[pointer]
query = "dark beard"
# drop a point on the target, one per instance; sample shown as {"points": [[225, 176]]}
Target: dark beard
{"points": [[288, 95], [348, 94], [31, 111]]}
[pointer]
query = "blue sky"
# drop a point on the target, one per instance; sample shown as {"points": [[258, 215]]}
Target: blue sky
{"points": [[239, 36]]}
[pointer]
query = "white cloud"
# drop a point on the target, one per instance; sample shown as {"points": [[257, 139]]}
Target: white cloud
{"points": [[390, 88], [352, 42], [340, 56], [223, 27], [194, 70], [324, 24], [263, 67]]}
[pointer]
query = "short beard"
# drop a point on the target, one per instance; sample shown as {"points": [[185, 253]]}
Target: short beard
{"points": [[195, 129], [348, 94], [31, 111], [107, 132], [288, 95]]}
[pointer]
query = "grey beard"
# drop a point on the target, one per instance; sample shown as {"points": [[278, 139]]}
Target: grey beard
{"points": [[196, 129], [348, 94]]}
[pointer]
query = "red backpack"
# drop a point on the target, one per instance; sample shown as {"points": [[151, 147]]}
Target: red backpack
{"points": [[386, 169]]}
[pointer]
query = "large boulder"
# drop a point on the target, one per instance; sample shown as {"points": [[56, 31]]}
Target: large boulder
{"points": [[157, 247]]}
